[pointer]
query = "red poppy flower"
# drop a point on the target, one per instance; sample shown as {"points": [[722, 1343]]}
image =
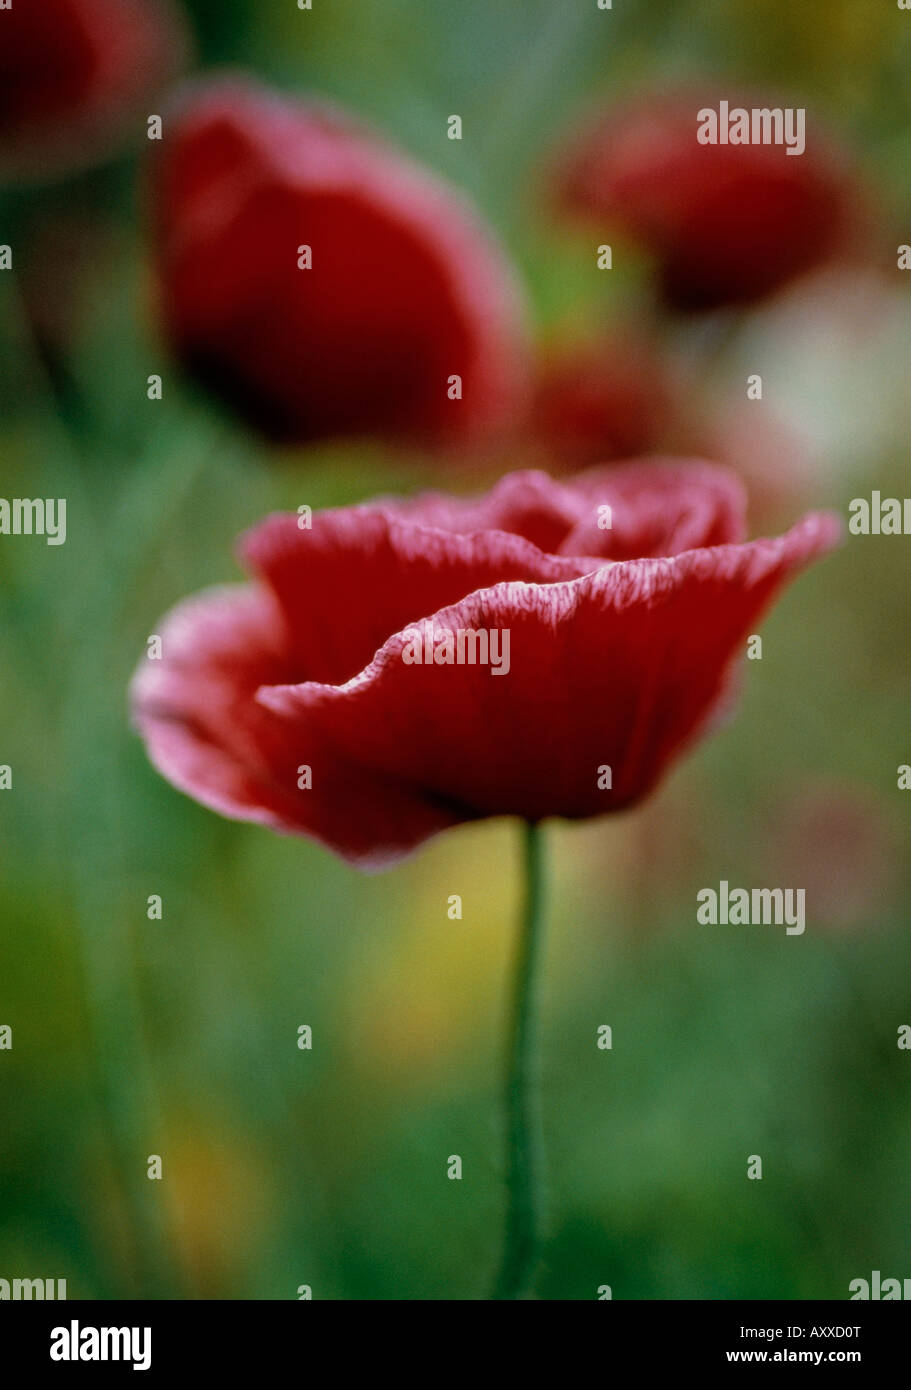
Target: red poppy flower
{"points": [[405, 290], [621, 644], [73, 72], [607, 400], [728, 224]]}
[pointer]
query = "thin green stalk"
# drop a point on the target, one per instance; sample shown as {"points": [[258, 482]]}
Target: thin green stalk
{"points": [[523, 1182], [120, 1076]]}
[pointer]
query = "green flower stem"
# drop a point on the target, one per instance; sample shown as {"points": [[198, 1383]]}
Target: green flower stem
{"points": [[523, 1216]]}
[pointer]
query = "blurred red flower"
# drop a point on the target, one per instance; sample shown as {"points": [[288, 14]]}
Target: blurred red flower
{"points": [[405, 288], [727, 224], [611, 399], [621, 647], [73, 72], [837, 841]]}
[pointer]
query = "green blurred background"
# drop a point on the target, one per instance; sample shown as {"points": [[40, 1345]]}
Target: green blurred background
{"points": [[134, 1037]]}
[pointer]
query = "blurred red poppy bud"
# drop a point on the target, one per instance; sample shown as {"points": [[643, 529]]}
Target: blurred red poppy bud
{"points": [[402, 667], [837, 841], [727, 223], [323, 284], [74, 74], [607, 400]]}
